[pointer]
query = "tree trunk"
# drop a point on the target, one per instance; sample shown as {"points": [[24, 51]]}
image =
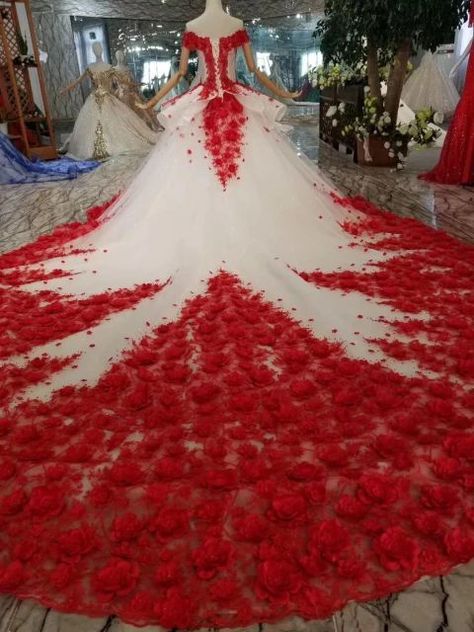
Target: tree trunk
{"points": [[396, 80], [373, 75]]}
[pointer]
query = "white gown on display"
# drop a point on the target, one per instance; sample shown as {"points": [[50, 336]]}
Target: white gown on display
{"points": [[406, 115], [106, 126], [430, 86], [227, 398]]}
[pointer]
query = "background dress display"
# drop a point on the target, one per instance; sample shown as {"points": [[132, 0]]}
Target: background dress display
{"points": [[16, 168], [182, 87], [456, 164], [276, 76], [233, 396], [429, 86], [106, 126], [126, 89]]}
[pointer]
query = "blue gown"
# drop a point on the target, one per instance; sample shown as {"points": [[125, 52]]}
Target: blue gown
{"points": [[15, 168]]}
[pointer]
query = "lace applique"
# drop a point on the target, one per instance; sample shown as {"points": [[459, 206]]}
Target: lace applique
{"points": [[100, 145]]}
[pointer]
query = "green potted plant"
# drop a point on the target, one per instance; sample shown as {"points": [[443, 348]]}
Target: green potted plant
{"points": [[384, 33]]}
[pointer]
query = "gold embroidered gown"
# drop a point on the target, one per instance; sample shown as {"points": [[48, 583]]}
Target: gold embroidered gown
{"points": [[126, 89], [106, 126]]}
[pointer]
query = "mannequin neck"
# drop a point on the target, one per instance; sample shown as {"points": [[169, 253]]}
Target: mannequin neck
{"points": [[214, 6], [214, 22]]}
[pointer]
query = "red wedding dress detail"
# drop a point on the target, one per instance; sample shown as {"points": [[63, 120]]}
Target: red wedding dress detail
{"points": [[456, 164], [232, 396]]}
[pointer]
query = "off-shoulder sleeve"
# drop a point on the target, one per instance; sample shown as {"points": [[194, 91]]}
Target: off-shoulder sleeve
{"points": [[242, 37], [189, 40]]}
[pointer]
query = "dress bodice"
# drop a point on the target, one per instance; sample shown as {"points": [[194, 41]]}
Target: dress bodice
{"points": [[102, 79], [216, 59], [124, 76], [124, 82]]}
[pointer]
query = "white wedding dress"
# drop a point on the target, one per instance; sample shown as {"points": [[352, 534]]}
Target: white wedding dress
{"points": [[228, 398], [106, 126], [430, 86]]}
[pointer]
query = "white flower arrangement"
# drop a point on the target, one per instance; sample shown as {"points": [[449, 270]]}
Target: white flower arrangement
{"points": [[397, 137], [338, 75], [332, 111], [330, 76]]}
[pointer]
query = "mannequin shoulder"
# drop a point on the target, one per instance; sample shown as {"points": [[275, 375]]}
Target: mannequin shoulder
{"points": [[225, 21], [239, 24], [191, 25], [99, 66]]}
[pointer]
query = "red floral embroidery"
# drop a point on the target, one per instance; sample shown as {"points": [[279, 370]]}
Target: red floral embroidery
{"points": [[221, 491], [194, 42], [231, 467], [54, 245], [412, 284], [224, 120], [223, 117]]}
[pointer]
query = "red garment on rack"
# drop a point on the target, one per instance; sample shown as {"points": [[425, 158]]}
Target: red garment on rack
{"points": [[456, 164]]}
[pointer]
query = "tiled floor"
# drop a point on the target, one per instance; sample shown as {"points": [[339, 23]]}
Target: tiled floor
{"points": [[435, 605], [445, 207]]}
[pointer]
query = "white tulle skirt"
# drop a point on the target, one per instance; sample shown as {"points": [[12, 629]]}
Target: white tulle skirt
{"points": [[429, 86], [107, 127], [177, 223]]}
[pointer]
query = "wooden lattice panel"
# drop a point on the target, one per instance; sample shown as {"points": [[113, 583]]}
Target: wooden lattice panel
{"points": [[29, 122], [27, 105], [10, 31]]}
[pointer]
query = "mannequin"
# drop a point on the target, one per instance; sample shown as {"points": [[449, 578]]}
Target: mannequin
{"points": [[120, 59], [182, 86], [216, 23], [98, 66]]}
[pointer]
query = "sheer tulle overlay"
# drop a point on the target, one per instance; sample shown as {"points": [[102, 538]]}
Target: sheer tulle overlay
{"points": [[231, 395], [430, 86]]}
